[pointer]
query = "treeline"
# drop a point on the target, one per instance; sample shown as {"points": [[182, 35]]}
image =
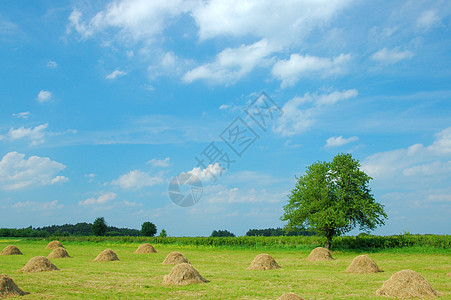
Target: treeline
{"points": [[79, 229], [278, 232]]}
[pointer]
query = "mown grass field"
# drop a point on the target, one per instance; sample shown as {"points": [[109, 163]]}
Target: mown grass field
{"points": [[139, 276]]}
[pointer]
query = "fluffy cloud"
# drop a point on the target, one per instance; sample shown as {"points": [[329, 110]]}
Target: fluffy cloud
{"points": [[337, 141], [291, 70], [137, 179], [164, 163], [115, 74], [210, 172], [299, 113], [44, 96], [16, 172], [232, 64], [428, 19], [36, 134], [22, 115], [52, 64], [100, 200], [392, 56]]}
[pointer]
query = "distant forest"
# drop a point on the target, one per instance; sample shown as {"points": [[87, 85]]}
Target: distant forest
{"points": [[279, 232]]}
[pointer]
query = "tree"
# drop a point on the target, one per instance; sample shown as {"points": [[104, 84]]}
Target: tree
{"points": [[333, 198], [222, 233], [99, 226], [148, 229], [163, 233]]}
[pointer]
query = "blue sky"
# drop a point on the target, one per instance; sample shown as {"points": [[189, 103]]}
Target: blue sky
{"points": [[102, 103]]}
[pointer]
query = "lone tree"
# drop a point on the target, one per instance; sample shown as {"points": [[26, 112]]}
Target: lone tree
{"points": [[99, 226], [148, 229], [333, 198]]}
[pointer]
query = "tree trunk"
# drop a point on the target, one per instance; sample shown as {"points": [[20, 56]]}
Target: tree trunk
{"points": [[328, 242]]}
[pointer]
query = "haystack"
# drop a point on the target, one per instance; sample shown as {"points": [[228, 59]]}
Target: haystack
{"points": [[58, 253], [106, 255], [54, 245], [319, 254], [407, 283], [11, 250], [183, 274], [39, 264], [263, 262], [449, 274], [290, 296], [145, 248], [175, 258], [363, 264], [8, 288]]}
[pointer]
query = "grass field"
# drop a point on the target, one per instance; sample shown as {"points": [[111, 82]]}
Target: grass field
{"points": [[139, 276]]}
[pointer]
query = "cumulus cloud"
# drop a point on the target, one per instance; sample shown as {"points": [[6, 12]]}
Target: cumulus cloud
{"points": [[115, 74], [386, 56], [36, 134], [232, 64], [136, 179], [100, 200], [212, 171], [299, 113], [337, 141], [164, 163], [290, 71], [22, 115], [16, 172], [44, 96]]}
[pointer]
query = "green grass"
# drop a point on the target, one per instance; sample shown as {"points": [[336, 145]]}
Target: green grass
{"points": [[139, 276]]}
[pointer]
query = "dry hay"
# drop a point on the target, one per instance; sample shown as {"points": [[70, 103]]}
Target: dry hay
{"points": [[145, 248], [290, 296], [54, 245], [363, 264], [106, 255], [319, 254], [11, 250], [449, 274], [39, 264], [58, 253], [263, 262], [9, 288], [407, 283], [175, 258], [183, 274]]}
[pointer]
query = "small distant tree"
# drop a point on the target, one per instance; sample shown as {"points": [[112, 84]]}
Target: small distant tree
{"points": [[148, 229], [163, 233], [99, 226], [221, 233], [333, 198]]}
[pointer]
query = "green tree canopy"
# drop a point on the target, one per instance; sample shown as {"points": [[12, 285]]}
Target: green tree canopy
{"points": [[333, 198], [148, 229], [163, 233], [99, 226]]}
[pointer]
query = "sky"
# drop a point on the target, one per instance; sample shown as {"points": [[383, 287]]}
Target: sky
{"points": [[107, 105]]}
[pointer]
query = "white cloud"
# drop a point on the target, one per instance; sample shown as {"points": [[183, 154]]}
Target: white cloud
{"points": [[291, 70], [210, 172], [428, 19], [215, 194], [115, 74], [232, 64], [52, 64], [136, 179], [38, 206], [337, 141], [100, 200], [16, 172], [131, 204], [299, 113], [392, 56], [164, 163], [224, 106], [44, 96], [36, 134], [22, 115]]}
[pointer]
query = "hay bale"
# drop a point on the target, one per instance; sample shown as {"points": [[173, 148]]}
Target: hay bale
{"points": [[54, 245], [175, 258], [449, 274], [290, 296], [363, 264], [58, 253], [145, 248], [319, 254], [106, 255], [39, 264], [263, 262], [8, 288], [11, 250], [183, 274], [407, 283]]}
